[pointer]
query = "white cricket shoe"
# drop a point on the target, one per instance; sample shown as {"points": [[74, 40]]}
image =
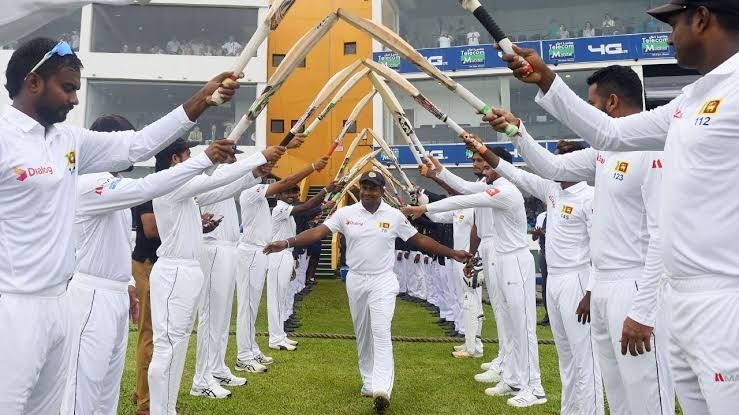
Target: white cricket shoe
{"points": [[501, 389], [463, 354], [488, 376], [291, 342], [283, 346], [264, 359], [214, 391], [251, 365], [459, 348], [525, 398], [492, 365], [230, 380]]}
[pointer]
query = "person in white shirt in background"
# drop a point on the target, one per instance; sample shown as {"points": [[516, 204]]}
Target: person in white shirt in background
{"points": [[173, 46], [370, 228], [102, 292], [563, 33], [588, 30], [473, 38], [626, 306], [251, 271], [445, 40], [38, 192], [569, 211], [177, 278], [231, 47], [698, 131], [512, 277], [281, 267]]}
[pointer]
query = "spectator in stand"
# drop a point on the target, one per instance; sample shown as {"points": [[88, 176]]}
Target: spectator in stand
{"points": [[74, 40], [553, 30], [563, 33], [186, 48], [473, 38], [173, 46], [231, 47], [650, 25], [125, 49], [445, 40], [139, 49], [608, 24], [197, 47], [195, 135], [589, 30]]}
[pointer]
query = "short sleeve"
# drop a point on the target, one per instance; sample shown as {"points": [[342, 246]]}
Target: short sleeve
{"points": [[282, 211], [405, 230], [254, 193]]}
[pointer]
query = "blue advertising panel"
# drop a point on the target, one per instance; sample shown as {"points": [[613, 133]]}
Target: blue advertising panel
{"points": [[579, 50], [455, 154]]}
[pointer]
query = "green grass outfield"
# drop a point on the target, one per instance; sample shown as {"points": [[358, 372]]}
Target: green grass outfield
{"points": [[322, 377]]}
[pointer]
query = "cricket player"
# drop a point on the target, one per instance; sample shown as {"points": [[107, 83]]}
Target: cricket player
{"points": [[569, 211], [281, 267], [252, 266], [512, 277], [698, 131], [40, 162], [100, 296], [177, 278], [370, 228]]}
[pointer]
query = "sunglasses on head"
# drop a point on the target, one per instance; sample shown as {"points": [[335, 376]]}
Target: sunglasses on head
{"points": [[62, 49]]}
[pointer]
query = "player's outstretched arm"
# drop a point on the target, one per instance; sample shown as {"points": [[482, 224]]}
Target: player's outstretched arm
{"points": [[304, 238], [429, 245], [295, 178]]}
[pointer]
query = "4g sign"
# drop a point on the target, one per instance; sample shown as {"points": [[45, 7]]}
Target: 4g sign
{"points": [[609, 49]]}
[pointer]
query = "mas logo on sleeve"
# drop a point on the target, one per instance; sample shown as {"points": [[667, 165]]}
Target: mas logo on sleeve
{"points": [[492, 192]]}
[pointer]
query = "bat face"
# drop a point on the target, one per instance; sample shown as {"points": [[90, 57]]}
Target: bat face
{"points": [[392, 75], [430, 107], [280, 11], [258, 106], [396, 43]]}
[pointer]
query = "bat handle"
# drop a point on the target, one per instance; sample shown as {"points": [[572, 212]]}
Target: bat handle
{"points": [[288, 138], [500, 37], [216, 98], [507, 46], [332, 148]]}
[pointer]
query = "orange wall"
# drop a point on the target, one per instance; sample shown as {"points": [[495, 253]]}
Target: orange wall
{"points": [[323, 61]]}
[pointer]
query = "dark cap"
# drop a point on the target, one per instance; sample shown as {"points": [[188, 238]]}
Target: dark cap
{"points": [[176, 147], [373, 177], [663, 12]]}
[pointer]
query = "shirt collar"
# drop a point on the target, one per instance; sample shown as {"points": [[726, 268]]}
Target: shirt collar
{"points": [[576, 188], [20, 119], [729, 67], [382, 207]]}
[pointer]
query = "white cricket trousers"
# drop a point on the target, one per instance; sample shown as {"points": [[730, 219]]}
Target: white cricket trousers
{"points": [[250, 276], [33, 351], [279, 272], [516, 276], [98, 336], [488, 256], [635, 385], [175, 291], [372, 305], [218, 262], [579, 370], [704, 343], [473, 316]]}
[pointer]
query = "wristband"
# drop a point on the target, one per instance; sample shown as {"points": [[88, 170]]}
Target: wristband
{"points": [[313, 166], [287, 241], [481, 148]]}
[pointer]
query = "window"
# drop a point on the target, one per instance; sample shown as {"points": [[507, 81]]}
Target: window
{"points": [[172, 30], [350, 48], [277, 126], [292, 125], [65, 28], [144, 102], [352, 128], [277, 60]]}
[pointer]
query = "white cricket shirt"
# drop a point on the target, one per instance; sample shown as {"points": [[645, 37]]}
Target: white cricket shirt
{"points": [[256, 219], [506, 203], [625, 232], [178, 216], [38, 184], [103, 220], [370, 237], [462, 221], [228, 230], [283, 223], [484, 219], [699, 132], [568, 214]]}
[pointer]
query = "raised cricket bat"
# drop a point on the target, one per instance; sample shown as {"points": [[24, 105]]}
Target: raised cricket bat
{"points": [[296, 54], [351, 83], [390, 155], [396, 43], [349, 121], [399, 118], [349, 152], [482, 15], [277, 12], [322, 96], [391, 178]]}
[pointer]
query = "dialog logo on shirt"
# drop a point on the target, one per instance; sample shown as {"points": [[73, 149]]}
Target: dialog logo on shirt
{"points": [[384, 226], [711, 107], [657, 164], [23, 174], [350, 222], [71, 157]]}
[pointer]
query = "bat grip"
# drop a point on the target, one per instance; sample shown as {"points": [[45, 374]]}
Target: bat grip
{"points": [[288, 138], [216, 96], [332, 148], [490, 25]]}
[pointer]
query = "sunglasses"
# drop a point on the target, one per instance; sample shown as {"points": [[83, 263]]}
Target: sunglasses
{"points": [[62, 49]]}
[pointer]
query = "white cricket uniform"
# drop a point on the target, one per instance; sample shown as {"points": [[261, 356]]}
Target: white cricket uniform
{"points": [[485, 224], [468, 301], [279, 272], [252, 267], [98, 292], [177, 279], [371, 284], [624, 249], [37, 186], [568, 215], [515, 274], [218, 260]]}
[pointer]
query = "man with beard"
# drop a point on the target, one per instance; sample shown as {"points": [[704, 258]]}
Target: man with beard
{"points": [[370, 229], [39, 164]]}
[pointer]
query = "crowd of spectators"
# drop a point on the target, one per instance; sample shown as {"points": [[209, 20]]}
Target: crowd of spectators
{"points": [[195, 47]]}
